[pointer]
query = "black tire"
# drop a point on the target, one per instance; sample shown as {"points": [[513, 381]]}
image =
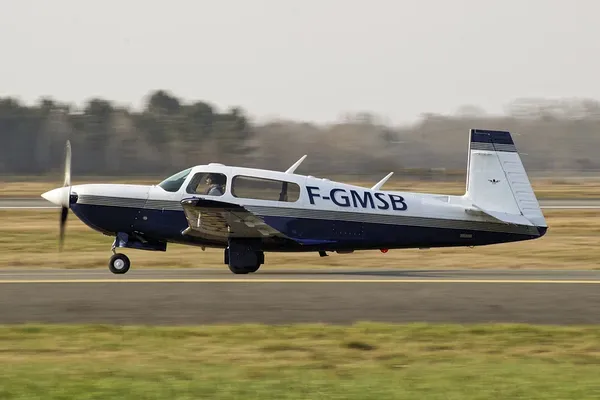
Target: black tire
{"points": [[244, 270], [119, 264], [238, 270], [253, 269]]}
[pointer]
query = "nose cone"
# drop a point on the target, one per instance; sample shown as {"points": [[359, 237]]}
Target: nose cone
{"points": [[59, 196]]}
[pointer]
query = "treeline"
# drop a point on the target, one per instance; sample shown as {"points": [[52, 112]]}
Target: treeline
{"points": [[110, 140], [168, 134]]}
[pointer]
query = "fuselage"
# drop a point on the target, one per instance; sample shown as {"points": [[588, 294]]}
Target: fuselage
{"points": [[318, 214]]}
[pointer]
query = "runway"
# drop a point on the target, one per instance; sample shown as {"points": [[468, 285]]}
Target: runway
{"points": [[33, 203], [203, 296]]}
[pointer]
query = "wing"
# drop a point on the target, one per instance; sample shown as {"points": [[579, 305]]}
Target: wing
{"points": [[213, 219]]}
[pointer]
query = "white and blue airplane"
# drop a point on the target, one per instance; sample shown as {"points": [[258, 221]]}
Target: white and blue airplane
{"points": [[248, 212]]}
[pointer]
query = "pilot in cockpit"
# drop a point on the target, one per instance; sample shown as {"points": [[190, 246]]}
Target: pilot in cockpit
{"points": [[216, 185]]}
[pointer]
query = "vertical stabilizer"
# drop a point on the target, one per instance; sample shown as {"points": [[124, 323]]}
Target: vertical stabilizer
{"points": [[496, 177]]}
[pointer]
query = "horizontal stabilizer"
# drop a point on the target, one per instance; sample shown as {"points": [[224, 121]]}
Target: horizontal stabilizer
{"points": [[516, 219]]}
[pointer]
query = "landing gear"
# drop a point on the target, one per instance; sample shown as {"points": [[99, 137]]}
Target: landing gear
{"points": [[243, 270], [244, 257], [119, 263]]}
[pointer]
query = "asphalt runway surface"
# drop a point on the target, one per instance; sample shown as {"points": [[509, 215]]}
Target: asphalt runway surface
{"points": [[207, 296], [40, 203], [283, 296]]}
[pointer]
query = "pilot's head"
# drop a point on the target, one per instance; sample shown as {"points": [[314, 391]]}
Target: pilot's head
{"points": [[214, 179]]}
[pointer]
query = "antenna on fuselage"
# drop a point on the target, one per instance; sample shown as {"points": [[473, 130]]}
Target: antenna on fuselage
{"points": [[291, 169], [379, 184]]}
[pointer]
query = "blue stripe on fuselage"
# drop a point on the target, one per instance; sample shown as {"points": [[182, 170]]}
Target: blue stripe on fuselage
{"points": [[368, 235], [160, 224], [167, 225]]}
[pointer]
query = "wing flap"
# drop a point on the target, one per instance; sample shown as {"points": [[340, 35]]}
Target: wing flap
{"points": [[218, 219]]}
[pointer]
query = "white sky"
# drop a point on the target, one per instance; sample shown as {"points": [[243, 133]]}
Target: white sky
{"points": [[309, 59]]}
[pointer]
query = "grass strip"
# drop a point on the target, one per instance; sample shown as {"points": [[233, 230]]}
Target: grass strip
{"points": [[29, 238], [365, 360]]}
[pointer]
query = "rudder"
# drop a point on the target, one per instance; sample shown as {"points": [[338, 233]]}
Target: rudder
{"points": [[496, 178]]}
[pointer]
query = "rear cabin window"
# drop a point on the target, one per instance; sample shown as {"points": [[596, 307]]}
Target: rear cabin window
{"points": [[264, 189]]}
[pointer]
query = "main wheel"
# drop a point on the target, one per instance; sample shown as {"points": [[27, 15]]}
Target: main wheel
{"points": [[244, 270], [119, 264], [239, 270], [253, 269], [246, 261]]}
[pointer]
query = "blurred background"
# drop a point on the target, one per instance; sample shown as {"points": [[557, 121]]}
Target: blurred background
{"points": [[144, 89], [558, 138]]}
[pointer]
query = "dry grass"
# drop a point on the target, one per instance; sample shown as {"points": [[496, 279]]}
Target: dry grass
{"points": [[28, 238], [564, 188]]}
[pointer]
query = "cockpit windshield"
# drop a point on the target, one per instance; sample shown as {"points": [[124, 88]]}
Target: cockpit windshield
{"points": [[173, 183]]}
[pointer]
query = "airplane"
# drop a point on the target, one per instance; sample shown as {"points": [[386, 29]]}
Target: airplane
{"points": [[247, 212]]}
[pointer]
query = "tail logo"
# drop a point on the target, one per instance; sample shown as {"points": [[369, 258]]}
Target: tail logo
{"points": [[494, 181]]}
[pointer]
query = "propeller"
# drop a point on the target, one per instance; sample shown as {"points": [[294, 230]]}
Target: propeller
{"points": [[64, 212]]}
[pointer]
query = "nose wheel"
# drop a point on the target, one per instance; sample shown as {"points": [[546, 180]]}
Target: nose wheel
{"points": [[119, 263]]}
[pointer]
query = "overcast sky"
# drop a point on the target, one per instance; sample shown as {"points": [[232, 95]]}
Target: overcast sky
{"points": [[308, 59]]}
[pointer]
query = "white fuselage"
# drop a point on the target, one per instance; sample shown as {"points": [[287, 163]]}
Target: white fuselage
{"points": [[340, 214]]}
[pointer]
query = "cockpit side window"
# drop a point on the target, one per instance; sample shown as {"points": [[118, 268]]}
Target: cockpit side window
{"points": [[209, 184], [173, 183]]}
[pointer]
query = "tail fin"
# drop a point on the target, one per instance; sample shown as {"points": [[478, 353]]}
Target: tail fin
{"points": [[496, 179]]}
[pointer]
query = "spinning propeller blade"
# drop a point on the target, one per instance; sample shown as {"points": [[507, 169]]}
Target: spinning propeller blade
{"points": [[64, 212], [67, 181]]}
